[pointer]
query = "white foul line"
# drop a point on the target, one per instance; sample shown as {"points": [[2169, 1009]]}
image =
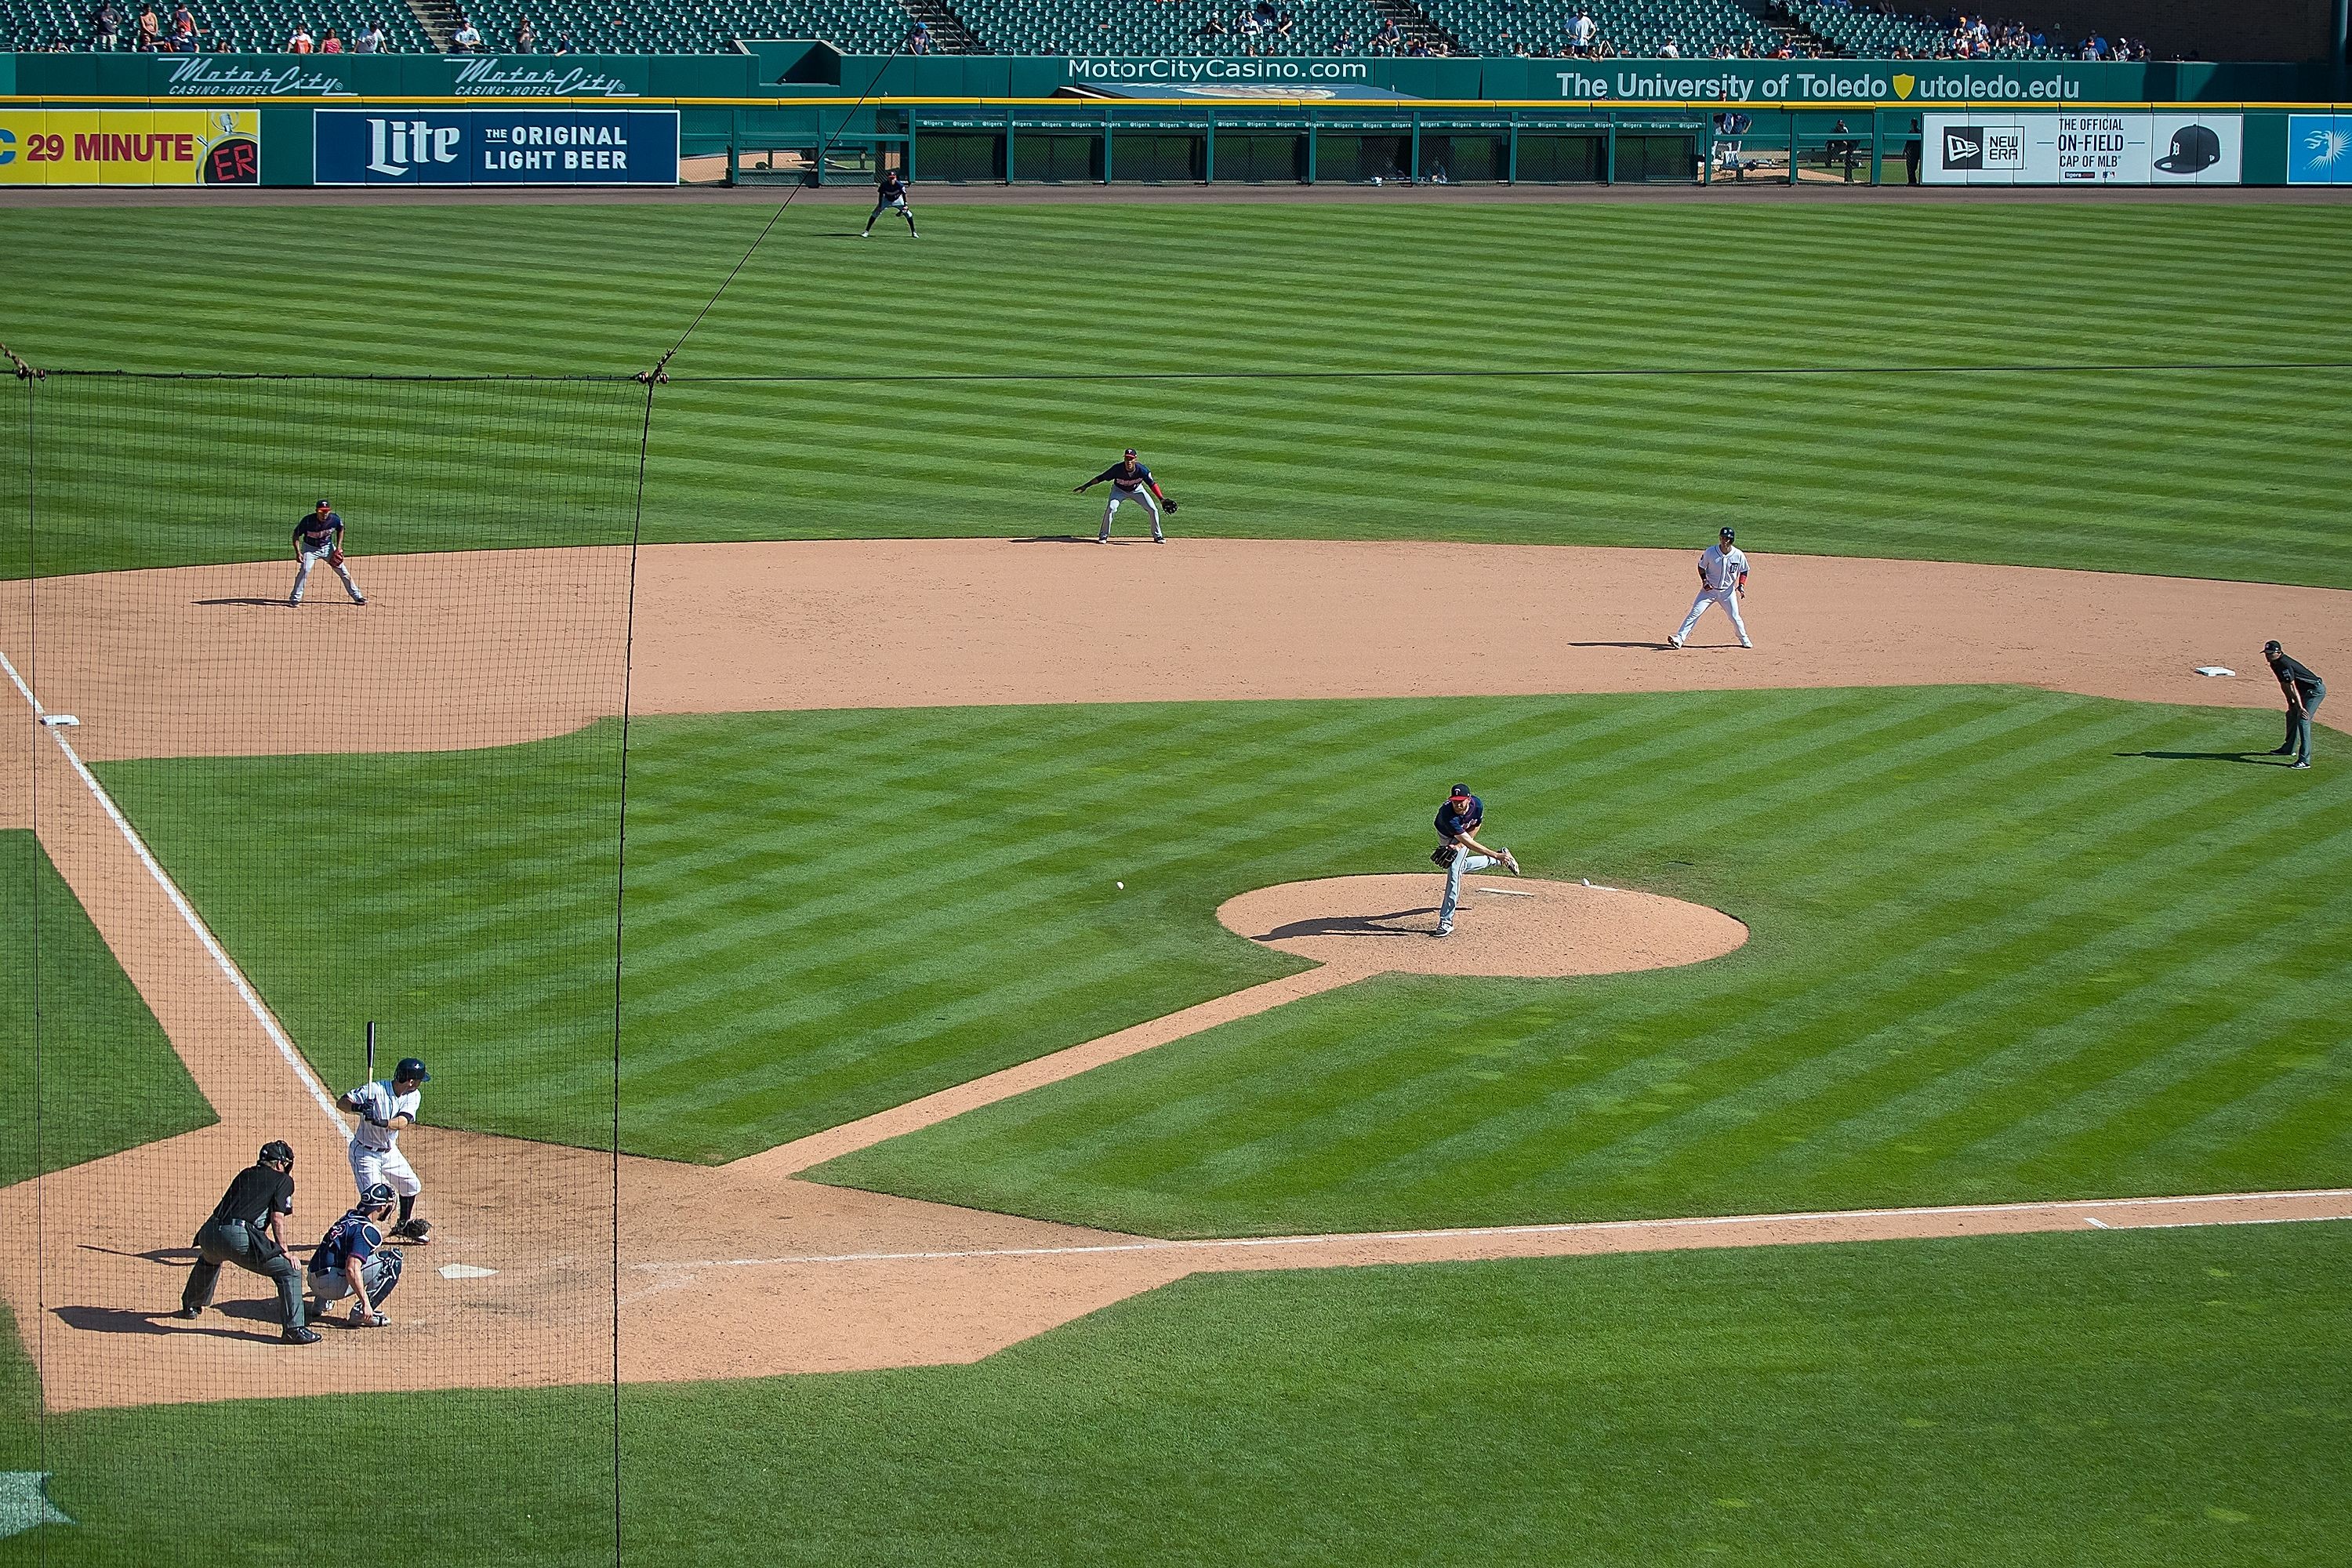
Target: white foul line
{"points": [[227, 966], [1474, 1233]]}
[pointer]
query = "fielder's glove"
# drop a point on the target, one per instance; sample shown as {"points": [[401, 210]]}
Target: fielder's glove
{"points": [[1169, 502], [334, 558]]}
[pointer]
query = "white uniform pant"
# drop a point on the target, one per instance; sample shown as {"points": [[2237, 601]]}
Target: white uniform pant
{"points": [[1463, 863], [302, 576], [1139, 496], [897, 205], [369, 1166], [1728, 598]]}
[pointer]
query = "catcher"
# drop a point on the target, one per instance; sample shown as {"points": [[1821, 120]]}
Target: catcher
{"points": [[1129, 481], [320, 532]]}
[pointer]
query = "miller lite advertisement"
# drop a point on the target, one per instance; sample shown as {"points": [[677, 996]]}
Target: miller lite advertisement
{"points": [[495, 147]]}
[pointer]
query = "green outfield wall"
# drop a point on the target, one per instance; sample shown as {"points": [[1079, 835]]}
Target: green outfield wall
{"points": [[798, 111]]}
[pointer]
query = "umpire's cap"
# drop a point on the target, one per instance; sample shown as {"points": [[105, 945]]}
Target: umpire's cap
{"points": [[2271, 648], [411, 1070], [1726, 536], [276, 1152]]}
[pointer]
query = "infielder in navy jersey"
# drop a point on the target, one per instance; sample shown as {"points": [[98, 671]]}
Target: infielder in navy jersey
{"points": [[1459, 851], [352, 1261], [890, 193], [1129, 481], [320, 532]]}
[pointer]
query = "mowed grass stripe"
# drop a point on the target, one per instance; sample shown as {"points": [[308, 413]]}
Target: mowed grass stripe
{"points": [[1734, 1088], [1941, 872], [2225, 473]]}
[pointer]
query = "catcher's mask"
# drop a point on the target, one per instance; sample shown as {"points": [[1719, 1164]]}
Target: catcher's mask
{"points": [[379, 1197]]}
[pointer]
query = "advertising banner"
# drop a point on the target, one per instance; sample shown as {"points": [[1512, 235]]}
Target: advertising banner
{"points": [[1828, 82], [495, 147], [2319, 149], [2122, 148], [130, 147], [486, 78]]}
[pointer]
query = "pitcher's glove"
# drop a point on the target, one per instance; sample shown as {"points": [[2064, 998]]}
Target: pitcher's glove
{"points": [[334, 558]]}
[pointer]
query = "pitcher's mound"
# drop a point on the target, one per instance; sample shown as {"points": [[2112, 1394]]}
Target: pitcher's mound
{"points": [[1505, 925]]}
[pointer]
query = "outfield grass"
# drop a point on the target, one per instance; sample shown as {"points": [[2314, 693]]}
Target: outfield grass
{"points": [[1996, 951], [2125, 1399], [2231, 472], [85, 1070]]}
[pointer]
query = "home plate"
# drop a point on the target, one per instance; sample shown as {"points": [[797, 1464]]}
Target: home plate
{"points": [[465, 1271]]}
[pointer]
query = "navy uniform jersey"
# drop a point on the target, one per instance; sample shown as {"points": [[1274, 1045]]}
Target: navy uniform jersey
{"points": [[1124, 476], [318, 531], [352, 1236], [1456, 817], [893, 186]]}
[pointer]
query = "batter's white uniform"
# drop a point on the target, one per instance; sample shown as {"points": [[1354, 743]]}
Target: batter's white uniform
{"points": [[375, 1152], [1720, 570]]}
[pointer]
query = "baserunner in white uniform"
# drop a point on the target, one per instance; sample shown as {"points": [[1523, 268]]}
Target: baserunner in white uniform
{"points": [[385, 1109], [1722, 579]]}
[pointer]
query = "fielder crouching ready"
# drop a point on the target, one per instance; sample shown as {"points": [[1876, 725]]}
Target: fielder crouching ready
{"points": [[352, 1261], [1130, 482], [385, 1111]]}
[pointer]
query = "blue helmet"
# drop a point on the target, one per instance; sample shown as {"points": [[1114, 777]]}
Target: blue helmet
{"points": [[378, 1195]]}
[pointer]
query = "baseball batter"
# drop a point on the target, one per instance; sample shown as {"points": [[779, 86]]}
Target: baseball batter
{"points": [[385, 1111], [1459, 851], [889, 195], [1722, 580], [352, 1261], [320, 534], [1129, 481]]}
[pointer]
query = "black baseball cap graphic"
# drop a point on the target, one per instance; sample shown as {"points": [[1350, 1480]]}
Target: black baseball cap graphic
{"points": [[2194, 148]]}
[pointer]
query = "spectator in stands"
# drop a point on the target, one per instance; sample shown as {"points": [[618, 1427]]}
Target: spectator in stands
{"points": [[1580, 32], [332, 44], [526, 37], [105, 27], [467, 40], [150, 35], [918, 40], [369, 40], [1670, 50], [1286, 27], [183, 30], [1388, 40], [564, 43], [1214, 27], [298, 42]]}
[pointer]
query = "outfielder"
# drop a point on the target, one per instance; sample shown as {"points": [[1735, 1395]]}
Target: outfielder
{"points": [[320, 532], [1129, 481], [385, 1111], [890, 195], [352, 1261], [1722, 579], [1459, 851]]}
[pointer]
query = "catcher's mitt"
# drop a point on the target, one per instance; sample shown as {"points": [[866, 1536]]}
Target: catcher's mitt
{"points": [[419, 1231], [334, 558], [1168, 502]]}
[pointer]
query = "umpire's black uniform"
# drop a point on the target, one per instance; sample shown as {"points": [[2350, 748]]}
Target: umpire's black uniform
{"points": [[243, 1231], [2304, 691]]}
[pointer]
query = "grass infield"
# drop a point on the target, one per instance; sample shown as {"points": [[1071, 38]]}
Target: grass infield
{"points": [[1998, 951], [2128, 1399], [104, 1078], [1610, 375]]}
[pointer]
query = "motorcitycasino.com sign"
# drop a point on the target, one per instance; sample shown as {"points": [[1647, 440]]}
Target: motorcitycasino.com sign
{"points": [[130, 147]]}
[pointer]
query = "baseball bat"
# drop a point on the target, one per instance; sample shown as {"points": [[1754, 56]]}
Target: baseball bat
{"points": [[371, 1065]]}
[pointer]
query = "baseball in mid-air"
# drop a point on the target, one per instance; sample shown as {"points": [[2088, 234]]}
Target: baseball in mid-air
{"points": [[1120, 886]]}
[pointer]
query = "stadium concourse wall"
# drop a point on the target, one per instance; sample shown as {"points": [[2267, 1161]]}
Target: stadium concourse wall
{"points": [[800, 111]]}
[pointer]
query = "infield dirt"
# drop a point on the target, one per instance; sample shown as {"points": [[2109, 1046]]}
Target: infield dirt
{"points": [[746, 1269]]}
